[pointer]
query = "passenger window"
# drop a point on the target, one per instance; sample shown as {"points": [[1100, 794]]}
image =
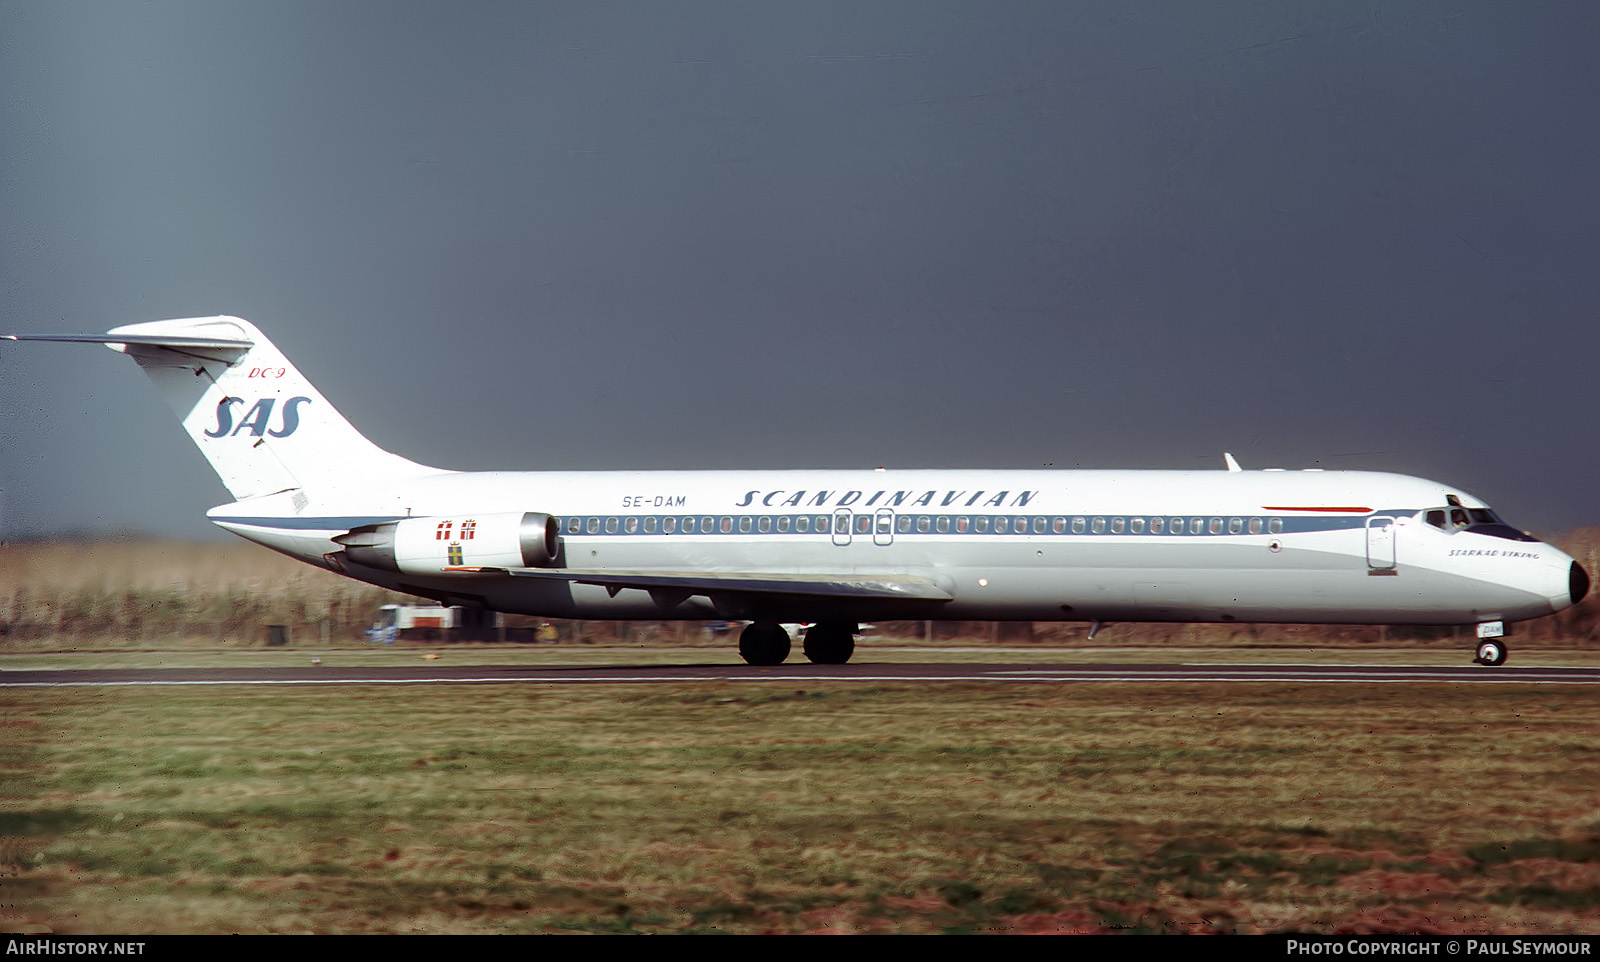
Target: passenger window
{"points": [[593, 526], [822, 524], [669, 525], [1098, 525], [924, 524], [631, 525], [575, 525], [903, 523], [764, 524], [1136, 526], [727, 524], [980, 524], [611, 526], [1216, 525], [1177, 526], [1078, 524], [1255, 525], [802, 524], [1275, 526], [708, 525], [1059, 526], [1235, 525], [688, 526], [941, 524], [1157, 525], [744, 524], [962, 524], [1001, 525], [783, 523], [1197, 525], [863, 524]]}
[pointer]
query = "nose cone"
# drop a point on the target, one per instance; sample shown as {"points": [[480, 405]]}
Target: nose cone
{"points": [[1564, 582]]}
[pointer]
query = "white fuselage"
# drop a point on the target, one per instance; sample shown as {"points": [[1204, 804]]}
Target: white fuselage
{"points": [[1245, 546], [834, 548]]}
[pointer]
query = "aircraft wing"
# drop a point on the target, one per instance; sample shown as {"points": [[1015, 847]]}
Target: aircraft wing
{"points": [[906, 588]]}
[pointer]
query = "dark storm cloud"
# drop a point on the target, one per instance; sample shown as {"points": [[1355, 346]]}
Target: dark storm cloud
{"points": [[724, 235]]}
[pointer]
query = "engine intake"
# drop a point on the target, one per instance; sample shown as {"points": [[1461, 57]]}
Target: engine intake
{"points": [[439, 544]]}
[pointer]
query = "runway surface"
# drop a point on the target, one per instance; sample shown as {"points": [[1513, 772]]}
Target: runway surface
{"points": [[795, 673]]}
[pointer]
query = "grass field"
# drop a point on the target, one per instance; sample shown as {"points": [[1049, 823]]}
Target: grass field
{"points": [[854, 808]]}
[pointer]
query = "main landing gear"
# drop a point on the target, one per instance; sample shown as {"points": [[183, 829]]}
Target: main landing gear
{"points": [[764, 643], [830, 642], [826, 643]]}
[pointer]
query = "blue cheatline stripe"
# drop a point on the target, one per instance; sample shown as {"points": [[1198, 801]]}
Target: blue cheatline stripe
{"points": [[905, 524], [865, 524]]}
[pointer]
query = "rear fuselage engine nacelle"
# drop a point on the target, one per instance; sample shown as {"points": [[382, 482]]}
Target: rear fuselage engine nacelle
{"points": [[438, 545]]}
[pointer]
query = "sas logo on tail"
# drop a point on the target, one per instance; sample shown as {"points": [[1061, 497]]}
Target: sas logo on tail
{"points": [[258, 419]]}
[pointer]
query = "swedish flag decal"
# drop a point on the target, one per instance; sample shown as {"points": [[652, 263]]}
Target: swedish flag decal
{"points": [[454, 553]]}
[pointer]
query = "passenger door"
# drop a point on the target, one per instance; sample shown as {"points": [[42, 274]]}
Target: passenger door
{"points": [[1380, 545]]}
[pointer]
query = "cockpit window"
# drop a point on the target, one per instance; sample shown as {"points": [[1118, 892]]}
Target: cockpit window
{"points": [[1476, 520]]}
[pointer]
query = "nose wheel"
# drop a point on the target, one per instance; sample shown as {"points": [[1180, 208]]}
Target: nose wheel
{"points": [[1491, 652]]}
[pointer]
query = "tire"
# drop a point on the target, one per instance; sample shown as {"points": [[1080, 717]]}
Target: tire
{"points": [[764, 643], [1491, 652], [830, 642]]}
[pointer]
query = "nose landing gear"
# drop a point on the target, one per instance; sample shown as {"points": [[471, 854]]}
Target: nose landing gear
{"points": [[1491, 652]]}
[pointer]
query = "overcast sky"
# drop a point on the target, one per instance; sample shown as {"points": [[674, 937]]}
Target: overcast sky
{"points": [[635, 235]]}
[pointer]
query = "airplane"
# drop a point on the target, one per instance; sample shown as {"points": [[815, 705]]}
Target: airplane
{"points": [[835, 548]]}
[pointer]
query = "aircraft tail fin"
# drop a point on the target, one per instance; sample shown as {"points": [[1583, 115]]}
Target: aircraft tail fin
{"points": [[254, 416]]}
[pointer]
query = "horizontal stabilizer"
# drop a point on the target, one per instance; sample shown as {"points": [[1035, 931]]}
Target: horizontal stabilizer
{"points": [[822, 585], [147, 340]]}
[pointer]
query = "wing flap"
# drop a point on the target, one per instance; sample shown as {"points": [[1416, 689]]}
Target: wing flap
{"points": [[903, 587]]}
